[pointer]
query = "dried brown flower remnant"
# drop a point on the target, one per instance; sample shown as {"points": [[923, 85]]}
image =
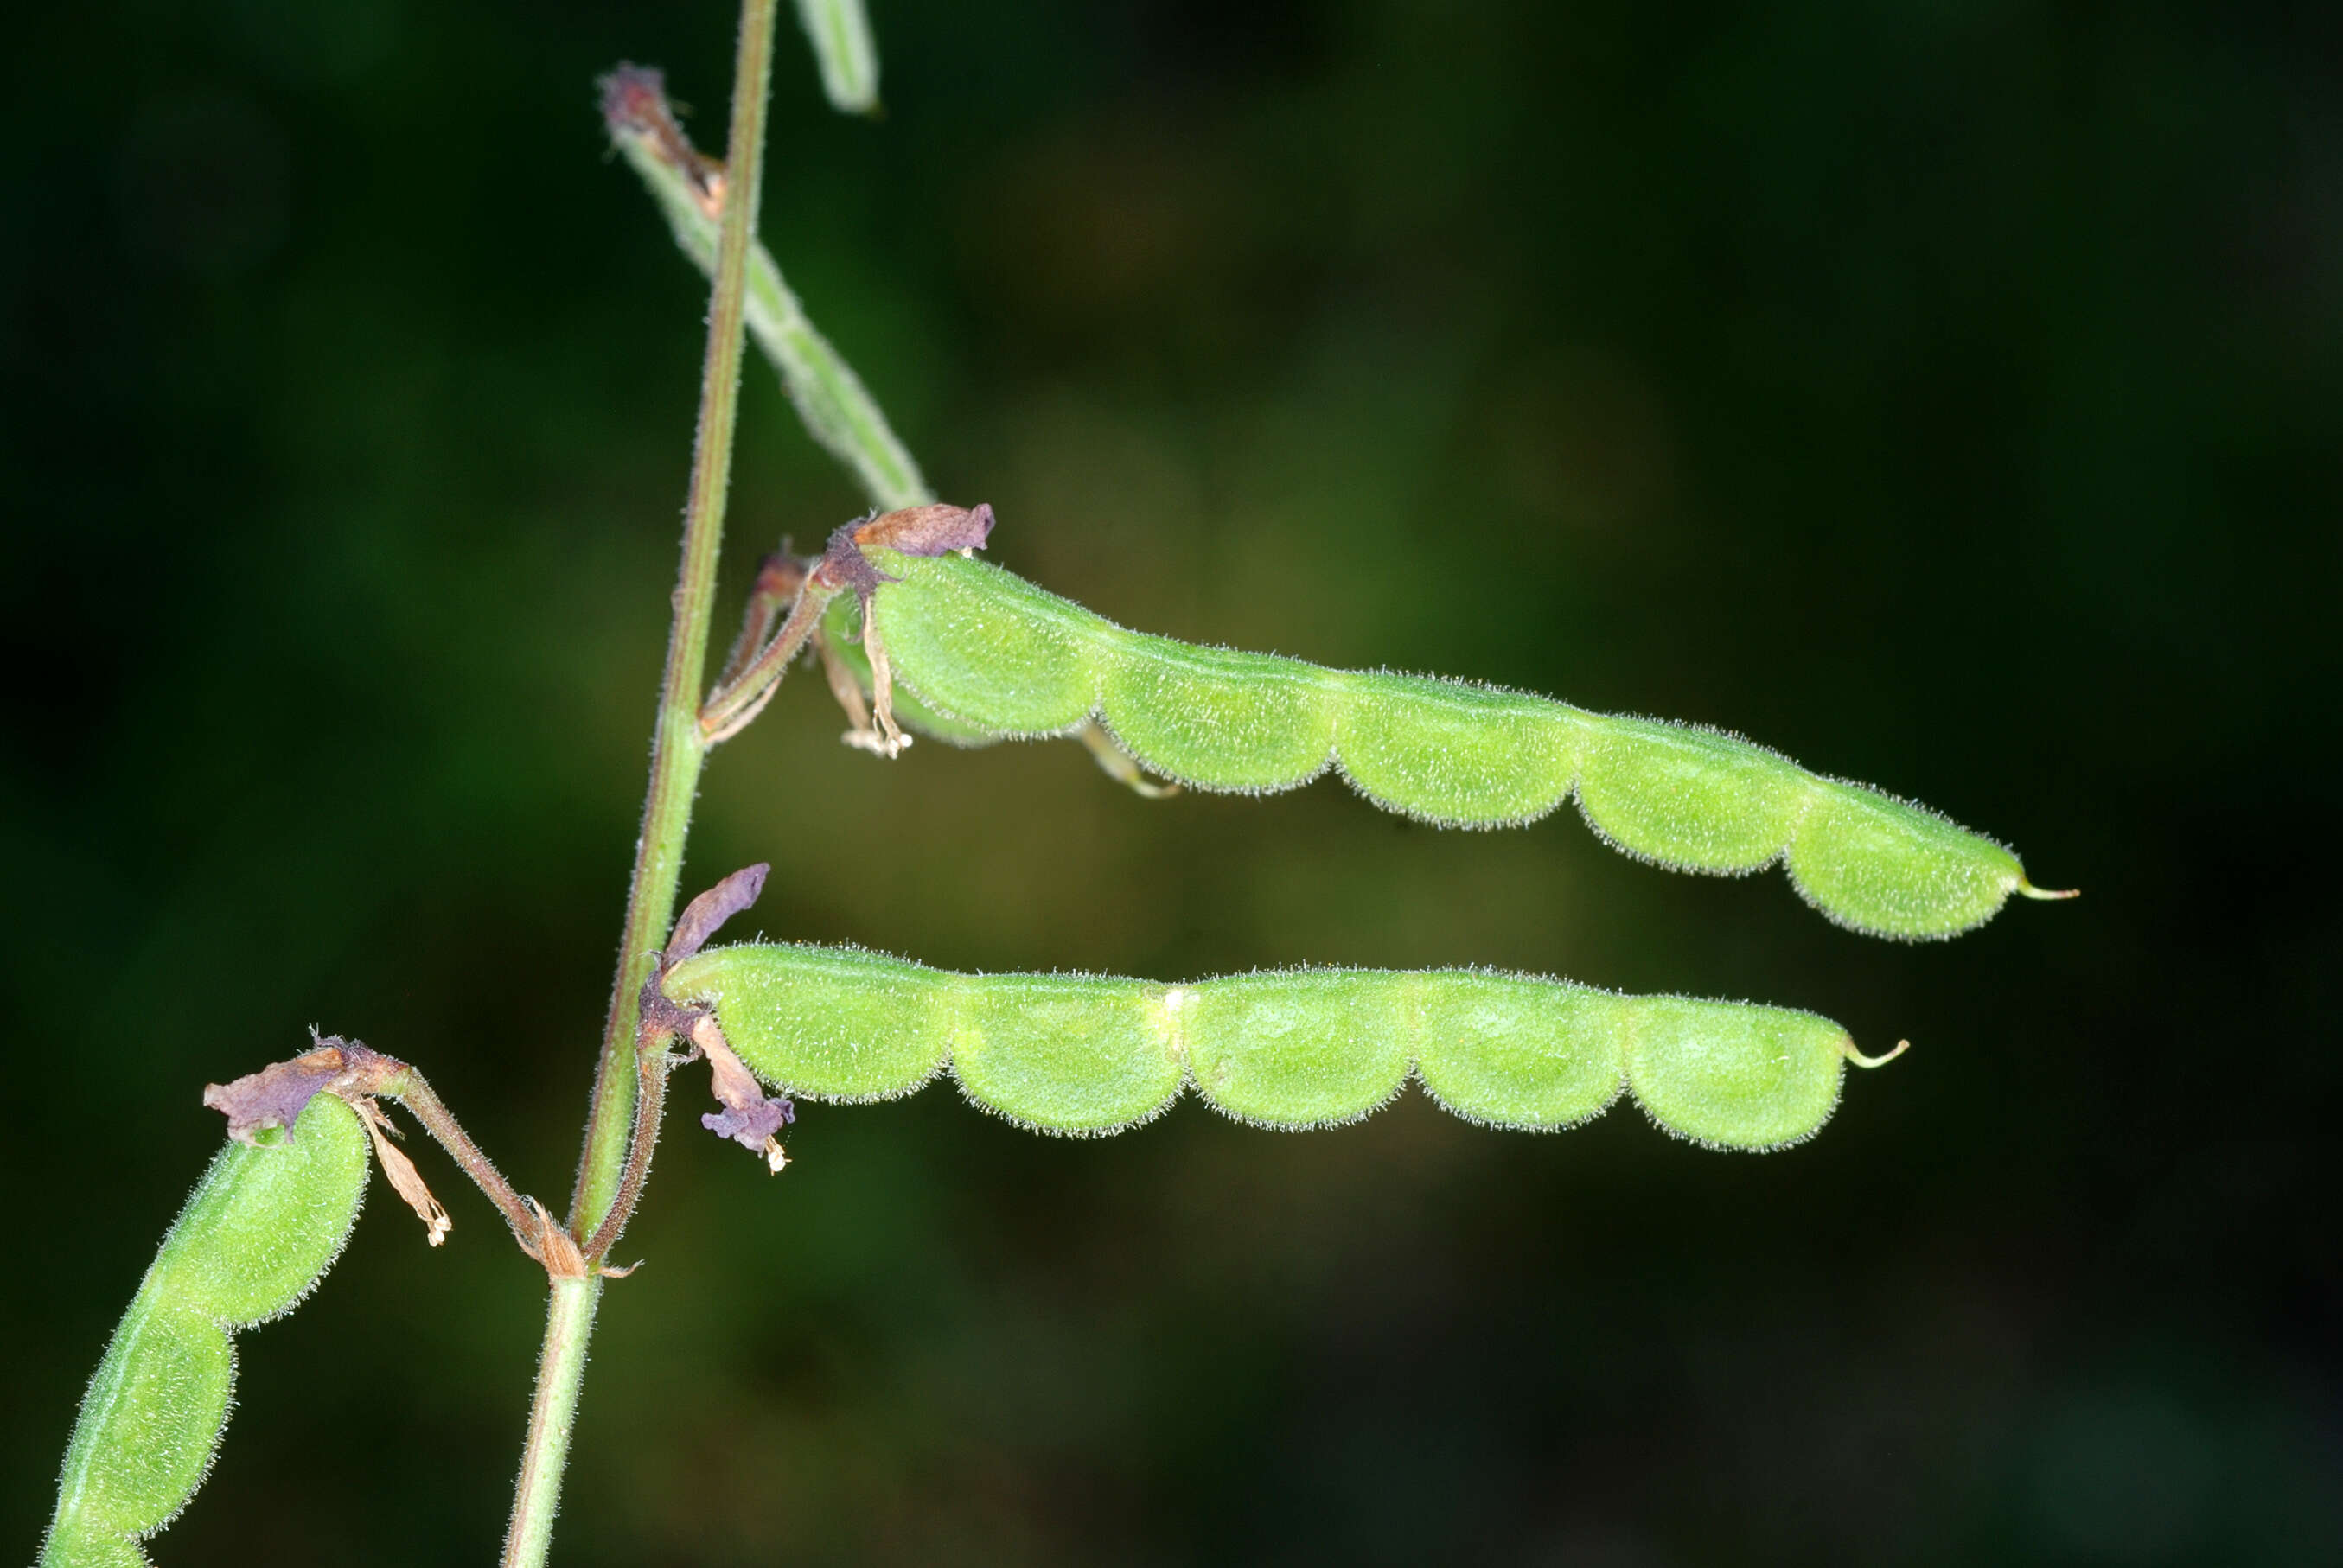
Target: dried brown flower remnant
{"points": [[710, 910], [400, 1171], [273, 1099], [931, 531], [635, 104], [928, 530], [749, 1118], [913, 531]]}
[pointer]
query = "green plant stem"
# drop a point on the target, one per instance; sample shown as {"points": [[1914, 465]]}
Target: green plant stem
{"points": [[725, 707], [678, 751], [677, 754], [560, 1370], [838, 410], [650, 1098], [424, 1104]]}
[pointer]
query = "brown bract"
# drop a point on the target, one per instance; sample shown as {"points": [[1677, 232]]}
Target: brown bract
{"points": [[552, 1246]]}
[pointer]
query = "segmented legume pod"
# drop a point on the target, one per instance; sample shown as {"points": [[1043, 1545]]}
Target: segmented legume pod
{"points": [[1087, 1054], [991, 655], [260, 1230]]}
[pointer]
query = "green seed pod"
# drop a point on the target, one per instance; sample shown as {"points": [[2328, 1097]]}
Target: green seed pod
{"points": [[840, 32], [1299, 1049], [982, 655], [842, 626], [260, 1228], [883, 1030], [1065, 1053], [993, 651], [1458, 755], [986, 655], [1215, 718], [1294, 1049], [1516, 1052]]}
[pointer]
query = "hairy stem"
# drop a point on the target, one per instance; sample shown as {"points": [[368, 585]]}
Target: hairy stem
{"points": [[779, 580], [726, 705], [836, 408], [424, 1105], [650, 1098], [678, 750], [677, 754], [560, 1368]]}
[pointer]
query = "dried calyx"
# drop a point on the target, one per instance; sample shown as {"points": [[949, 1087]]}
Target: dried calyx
{"points": [[400, 1172], [635, 104], [749, 1117], [753, 672], [263, 1107], [932, 530]]}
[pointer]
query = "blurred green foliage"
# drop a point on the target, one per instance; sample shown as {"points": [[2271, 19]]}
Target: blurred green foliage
{"points": [[1945, 393]]}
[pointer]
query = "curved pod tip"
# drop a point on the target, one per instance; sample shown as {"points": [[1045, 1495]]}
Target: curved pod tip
{"points": [[1882, 1060]]}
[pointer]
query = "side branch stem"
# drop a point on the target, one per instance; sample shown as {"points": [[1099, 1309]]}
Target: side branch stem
{"points": [[652, 1067], [678, 751], [411, 1092], [717, 720]]}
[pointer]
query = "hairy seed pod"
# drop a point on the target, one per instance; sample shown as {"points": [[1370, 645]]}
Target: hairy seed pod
{"points": [[1292, 1048], [979, 654], [839, 32], [260, 1230]]}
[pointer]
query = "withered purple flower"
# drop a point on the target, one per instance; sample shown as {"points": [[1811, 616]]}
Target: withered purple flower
{"points": [[273, 1099], [931, 531], [710, 910], [635, 104], [749, 1117]]}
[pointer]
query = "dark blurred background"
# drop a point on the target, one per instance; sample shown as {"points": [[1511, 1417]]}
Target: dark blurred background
{"points": [[1945, 392]]}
